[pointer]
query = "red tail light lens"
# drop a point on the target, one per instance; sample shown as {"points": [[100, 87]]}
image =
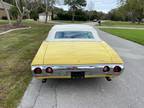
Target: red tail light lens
{"points": [[106, 69], [49, 70], [117, 69], [37, 71]]}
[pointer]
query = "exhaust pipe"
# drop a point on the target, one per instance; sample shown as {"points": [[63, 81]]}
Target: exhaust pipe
{"points": [[44, 80], [108, 79]]}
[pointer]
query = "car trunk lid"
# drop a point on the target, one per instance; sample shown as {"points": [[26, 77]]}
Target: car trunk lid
{"points": [[66, 53]]}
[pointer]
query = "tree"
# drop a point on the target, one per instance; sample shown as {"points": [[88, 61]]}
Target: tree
{"points": [[74, 5], [10, 1], [13, 12], [118, 14], [49, 6], [22, 10], [135, 9], [6, 11], [34, 7], [46, 10]]}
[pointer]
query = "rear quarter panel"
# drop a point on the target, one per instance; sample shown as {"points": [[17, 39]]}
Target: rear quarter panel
{"points": [[38, 59], [114, 55]]}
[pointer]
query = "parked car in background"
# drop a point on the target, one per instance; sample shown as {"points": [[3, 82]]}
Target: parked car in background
{"points": [[95, 20]]}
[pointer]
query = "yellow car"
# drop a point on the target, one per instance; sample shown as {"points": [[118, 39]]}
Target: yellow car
{"points": [[75, 51]]}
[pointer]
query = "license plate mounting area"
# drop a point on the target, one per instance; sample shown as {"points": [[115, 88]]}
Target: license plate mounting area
{"points": [[77, 75]]}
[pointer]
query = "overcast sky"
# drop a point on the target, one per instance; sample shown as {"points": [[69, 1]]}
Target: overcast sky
{"points": [[99, 5]]}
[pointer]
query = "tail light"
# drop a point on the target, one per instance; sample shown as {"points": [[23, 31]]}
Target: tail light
{"points": [[37, 71], [106, 69], [117, 69], [49, 70]]}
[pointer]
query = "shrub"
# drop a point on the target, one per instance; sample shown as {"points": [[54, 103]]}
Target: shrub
{"points": [[13, 12], [34, 14]]}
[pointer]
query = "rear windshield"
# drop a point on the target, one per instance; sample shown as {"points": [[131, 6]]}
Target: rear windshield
{"points": [[74, 35]]}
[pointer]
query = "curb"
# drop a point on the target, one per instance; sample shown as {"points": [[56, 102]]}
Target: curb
{"points": [[14, 30], [31, 94], [131, 28]]}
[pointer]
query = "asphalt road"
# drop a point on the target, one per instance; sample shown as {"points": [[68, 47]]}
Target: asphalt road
{"points": [[126, 91]]}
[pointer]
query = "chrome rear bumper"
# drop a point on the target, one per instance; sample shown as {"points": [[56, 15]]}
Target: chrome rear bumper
{"points": [[64, 71]]}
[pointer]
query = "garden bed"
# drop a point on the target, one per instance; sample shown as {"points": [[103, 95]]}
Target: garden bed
{"points": [[7, 27]]}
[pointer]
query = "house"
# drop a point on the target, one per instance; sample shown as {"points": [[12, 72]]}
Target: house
{"points": [[2, 10], [42, 16]]}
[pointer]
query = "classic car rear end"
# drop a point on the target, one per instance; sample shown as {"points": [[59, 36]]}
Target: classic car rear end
{"points": [[75, 51]]}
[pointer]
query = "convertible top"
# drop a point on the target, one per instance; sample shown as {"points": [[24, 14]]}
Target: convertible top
{"points": [[73, 27]]}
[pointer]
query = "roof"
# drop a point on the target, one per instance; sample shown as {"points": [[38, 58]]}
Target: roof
{"points": [[72, 27], [7, 5]]}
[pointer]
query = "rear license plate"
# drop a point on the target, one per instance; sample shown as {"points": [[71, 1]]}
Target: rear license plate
{"points": [[77, 75]]}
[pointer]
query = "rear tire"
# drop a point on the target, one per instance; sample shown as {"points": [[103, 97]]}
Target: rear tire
{"points": [[108, 79], [44, 80]]}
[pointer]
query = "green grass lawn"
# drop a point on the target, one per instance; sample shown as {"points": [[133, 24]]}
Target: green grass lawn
{"points": [[133, 35], [122, 24], [17, 50], [2, 22]]}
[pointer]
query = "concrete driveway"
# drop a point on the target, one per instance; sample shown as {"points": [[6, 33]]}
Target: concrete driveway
{"points": [[126, 91]]}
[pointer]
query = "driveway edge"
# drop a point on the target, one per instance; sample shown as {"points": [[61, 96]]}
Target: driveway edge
{"points": [[31, 94]]}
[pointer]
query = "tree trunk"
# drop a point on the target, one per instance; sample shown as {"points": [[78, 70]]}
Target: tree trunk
{"points": [[19, 19], [28, 15], [20, 16], [27, 3], [73, 16], [52, 17], [139, 20], [18, 7], [46, 17], [46, 11], [6, 11], [89, 14]]}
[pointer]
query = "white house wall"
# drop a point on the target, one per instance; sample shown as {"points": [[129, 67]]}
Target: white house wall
{"points": [[43, 18]]}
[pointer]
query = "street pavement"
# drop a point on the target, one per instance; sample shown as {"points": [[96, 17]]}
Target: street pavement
{"points": [[125, 91]]}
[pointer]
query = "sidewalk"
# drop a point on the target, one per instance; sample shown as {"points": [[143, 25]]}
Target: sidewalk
{"points": [[115, 27]]}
